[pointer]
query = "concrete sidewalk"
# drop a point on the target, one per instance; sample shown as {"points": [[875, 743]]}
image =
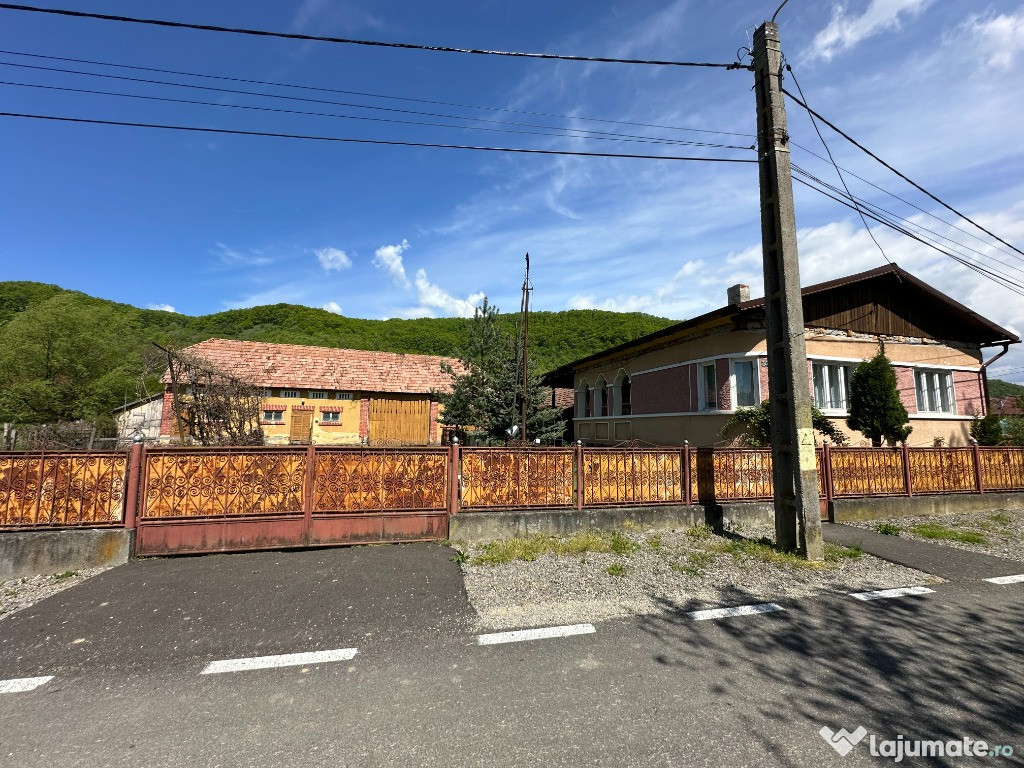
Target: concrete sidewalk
{"points": [[946, 562]]}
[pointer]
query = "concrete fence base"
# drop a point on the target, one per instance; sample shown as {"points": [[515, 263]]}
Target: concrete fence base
{"points": [[879, 507], [27, 553], [479, 526]]}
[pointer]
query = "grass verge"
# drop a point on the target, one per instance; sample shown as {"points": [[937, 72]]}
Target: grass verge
{"points": [[945, 533], [529, 548]]}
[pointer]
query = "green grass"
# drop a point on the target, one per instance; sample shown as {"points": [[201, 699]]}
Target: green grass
{"points": [[765, 551], [836, 553], [1002, 518], [888, 529], [616, 569], [945, 533], [700, 532], [700, 559], [689, 570], [529, 548], [64, 575], [654, 543]]}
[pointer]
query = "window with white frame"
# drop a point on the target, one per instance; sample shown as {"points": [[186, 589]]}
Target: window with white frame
{"points": [[831, 386], [707, 387], [330, 417], [746, 388], [317, 394], [266, 393], [273, 415], [934, 391], [343, 396], [290, 393]]}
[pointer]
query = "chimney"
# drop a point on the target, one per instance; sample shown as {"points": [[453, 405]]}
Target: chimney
{"points": [[738, 294]]}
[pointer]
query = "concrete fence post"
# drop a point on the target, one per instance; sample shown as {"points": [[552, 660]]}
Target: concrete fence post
{"points": [[908, 484], [976, 454], [131, 499]]}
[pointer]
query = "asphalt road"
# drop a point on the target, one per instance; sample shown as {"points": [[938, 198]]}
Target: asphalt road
{"points": [[126, 650]]}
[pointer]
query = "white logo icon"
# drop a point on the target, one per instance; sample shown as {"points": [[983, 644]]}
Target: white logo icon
{"points": [[842, 741]]}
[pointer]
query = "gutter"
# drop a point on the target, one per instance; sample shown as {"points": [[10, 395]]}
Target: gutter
{"points": [[984, 373]]}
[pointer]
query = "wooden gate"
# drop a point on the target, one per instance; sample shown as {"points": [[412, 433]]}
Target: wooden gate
{"points": [[399, 420], [301, 426]]}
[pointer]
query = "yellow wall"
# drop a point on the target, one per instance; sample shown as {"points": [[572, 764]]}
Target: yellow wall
{"points": [[345, 433]]}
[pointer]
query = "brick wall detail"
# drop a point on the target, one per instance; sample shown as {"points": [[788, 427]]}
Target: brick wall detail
{"points": [[906, 386], [967, 387], [364, 418], [723, 383], [168, 426], [658, 392], [432, 437]]}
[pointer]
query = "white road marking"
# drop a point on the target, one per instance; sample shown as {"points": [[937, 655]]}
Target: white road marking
{"points": [[1007, 579], [739, 610], [540, 633], [23, 684], [884, 593], [284, 660]]}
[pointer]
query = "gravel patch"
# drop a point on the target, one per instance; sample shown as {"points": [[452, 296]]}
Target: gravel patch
{"points": [[666, 572], [16, 594], [1003, 530]]}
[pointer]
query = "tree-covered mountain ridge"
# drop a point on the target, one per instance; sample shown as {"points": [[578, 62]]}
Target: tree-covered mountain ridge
{"points": [[555, 337]]}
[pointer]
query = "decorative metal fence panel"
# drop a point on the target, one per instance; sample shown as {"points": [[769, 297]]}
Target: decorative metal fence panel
{"points": [[1002, 469], [379, 480], [732, 474], [942, 470], [223, 482], [632, 476], [517, 477], [79, 489], [867, 472]]}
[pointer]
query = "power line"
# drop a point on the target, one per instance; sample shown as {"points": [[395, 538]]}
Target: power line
{"points": [[883, 211], [832, 160], [346, 140], [994, 275], [375, 95], [910, 181], [304, 99], [353, 41], [393, 121], [903, 200]]}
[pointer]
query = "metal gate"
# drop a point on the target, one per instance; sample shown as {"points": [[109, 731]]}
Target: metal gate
{"points": [[237, 499]]}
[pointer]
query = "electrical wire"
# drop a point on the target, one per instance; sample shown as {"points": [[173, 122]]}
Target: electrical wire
{"points": [[839, 173], [393, 121], [907, 222], [304, 99], [997, 277], [347, 140], [353, 41], [903, 200], [910, 181], [366, 94]]}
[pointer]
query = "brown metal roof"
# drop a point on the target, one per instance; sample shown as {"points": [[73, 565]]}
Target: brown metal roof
{"points": [[969, 324]]}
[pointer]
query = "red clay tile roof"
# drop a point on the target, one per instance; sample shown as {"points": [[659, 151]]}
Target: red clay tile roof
{"points": [[294, 366]]}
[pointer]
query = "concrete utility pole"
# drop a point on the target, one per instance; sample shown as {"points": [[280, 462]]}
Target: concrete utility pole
{"points": [[795, 473]]}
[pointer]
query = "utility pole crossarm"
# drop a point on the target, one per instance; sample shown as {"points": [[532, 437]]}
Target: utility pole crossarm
{"points": [[794, 464]]}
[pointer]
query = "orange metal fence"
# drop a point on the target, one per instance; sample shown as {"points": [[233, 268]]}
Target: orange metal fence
{"points": [[59, 489], [113, 488]]}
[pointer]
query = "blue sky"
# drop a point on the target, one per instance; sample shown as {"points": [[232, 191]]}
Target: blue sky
{"points": [[204, 222]]}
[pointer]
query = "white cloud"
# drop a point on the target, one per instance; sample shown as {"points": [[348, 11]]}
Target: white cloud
{"points": [[389, 258], [434, 297], [674, 297], [230, 256], [161, 307], [846, 31], [997, 39], [333, 306], [332, 259]]}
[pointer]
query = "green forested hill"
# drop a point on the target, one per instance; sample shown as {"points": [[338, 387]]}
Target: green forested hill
{"points": [[998, 388], [64, 354]]}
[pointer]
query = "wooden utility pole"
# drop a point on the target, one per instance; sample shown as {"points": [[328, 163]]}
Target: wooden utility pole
{"points": [[794, 467], [526, 345]]}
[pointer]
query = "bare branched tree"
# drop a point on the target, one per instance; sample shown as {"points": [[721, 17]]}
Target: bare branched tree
{"points": [[213, 407]]}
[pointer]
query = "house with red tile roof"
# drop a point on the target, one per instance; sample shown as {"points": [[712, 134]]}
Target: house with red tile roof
{"points": [[325, 395]]}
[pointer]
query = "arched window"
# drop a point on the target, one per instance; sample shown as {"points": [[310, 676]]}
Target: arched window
{"points": [[602, 401], [582, 399], [620, 392]]}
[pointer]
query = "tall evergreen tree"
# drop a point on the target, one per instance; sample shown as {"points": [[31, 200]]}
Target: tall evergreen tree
{"points": [[485, 401], [875, 405]]}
